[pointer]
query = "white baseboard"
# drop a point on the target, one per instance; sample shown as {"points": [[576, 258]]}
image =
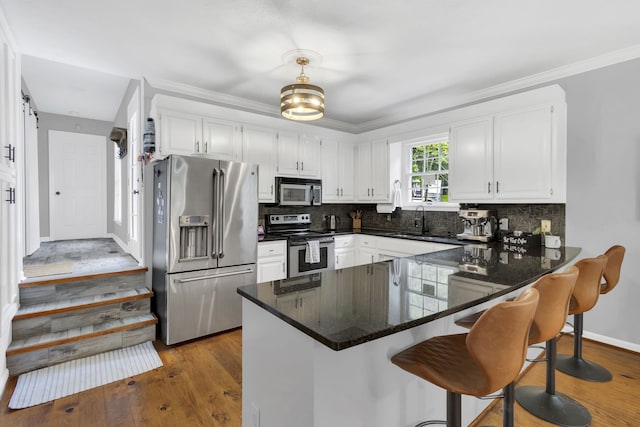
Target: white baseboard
{"points": [[612, 341], [45, 239]]}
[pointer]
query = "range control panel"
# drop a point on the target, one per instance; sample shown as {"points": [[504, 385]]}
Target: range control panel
{"points": [[285, 219]]}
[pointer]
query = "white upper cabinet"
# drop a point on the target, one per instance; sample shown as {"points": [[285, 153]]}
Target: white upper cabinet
{"points": [[517, 155], [188, 133], [372, 171], [522, 147], [298, 155], [471, 160], [260, 147], [222, 139], [338, 174]]}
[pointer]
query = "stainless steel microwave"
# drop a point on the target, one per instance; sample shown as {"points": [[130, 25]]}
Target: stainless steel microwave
{"points": [[299, 191]]}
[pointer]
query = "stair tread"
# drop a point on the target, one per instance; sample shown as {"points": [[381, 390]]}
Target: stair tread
{"points": [[44, 309], [74, 334], [50, 280]]}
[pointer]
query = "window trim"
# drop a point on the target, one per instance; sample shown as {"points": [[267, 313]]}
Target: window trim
{"points": [[117, 187], [406, 165]]}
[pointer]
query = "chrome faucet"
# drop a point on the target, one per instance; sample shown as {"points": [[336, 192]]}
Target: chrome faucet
{"points": [[424, 229]]}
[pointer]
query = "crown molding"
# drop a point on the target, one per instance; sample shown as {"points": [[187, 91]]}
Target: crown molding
{"points": [[248, 105], [427, 106], [446, 102]]}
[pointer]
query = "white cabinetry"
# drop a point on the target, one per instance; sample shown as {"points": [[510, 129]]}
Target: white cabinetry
{"points": [[187, 133], [522, 154], [471, 160], [370, 249], [12, 194], [345, 251], [260, 147], [272, 261], [298, 155], [372, 171], [338, 172], [516, 156]]}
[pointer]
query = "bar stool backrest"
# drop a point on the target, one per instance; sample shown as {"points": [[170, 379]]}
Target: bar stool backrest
{"points": [[555, 293], [587, 289], [615, 255], [498, 340]]}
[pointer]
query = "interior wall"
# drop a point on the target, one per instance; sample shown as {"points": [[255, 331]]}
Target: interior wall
{"points": [[121, 230], [603, 185], [49, 122]]}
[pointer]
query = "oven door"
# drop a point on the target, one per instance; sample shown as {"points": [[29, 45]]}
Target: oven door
{"points": [[297, 264]]}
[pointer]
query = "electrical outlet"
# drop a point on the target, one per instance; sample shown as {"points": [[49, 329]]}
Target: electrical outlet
{"points": [[504, 224], [545, 226]]}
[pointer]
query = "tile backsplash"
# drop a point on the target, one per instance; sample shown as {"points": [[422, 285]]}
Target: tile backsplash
{"points": [[523, 217]]}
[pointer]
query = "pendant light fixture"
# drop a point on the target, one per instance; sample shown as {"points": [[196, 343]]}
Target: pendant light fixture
{"points": [[302, 101]]}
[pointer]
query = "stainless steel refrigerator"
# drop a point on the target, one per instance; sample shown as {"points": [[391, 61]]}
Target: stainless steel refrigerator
{"points": [[205, 221]]}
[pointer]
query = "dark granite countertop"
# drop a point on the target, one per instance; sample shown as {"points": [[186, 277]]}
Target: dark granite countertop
{"points": [[382, 233], [347, 307]]}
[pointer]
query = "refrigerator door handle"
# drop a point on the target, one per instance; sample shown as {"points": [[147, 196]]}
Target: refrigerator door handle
{"points": [[221, 230], [214, 223], [215, 276]]}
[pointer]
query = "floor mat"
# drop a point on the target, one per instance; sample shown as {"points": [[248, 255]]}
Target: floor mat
{"points": [[54, 382], [48, 269]]}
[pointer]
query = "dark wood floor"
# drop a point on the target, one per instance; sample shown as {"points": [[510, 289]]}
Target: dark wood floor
{"points": [[200, 385]]}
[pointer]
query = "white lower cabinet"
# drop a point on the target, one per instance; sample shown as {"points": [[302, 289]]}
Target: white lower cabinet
{"points": [[272, 261], [345, 251], [369, 249]]}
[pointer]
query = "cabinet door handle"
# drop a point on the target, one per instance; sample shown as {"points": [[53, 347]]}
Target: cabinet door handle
{"points": [[489, 187], [302, 166], [337, 259], [368, 192], [337, 192], [283, 266], [297, 166], [197, 146], [372, 192], [12, 153], [497, 186], [272, 189], [205, 147], [341, 192], [300, 302]]}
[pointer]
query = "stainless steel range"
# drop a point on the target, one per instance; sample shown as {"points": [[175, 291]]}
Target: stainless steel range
{"points": [[309, 251]]}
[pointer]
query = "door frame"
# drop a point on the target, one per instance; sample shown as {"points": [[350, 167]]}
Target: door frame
{"points": [[102, 186], [135, 247]]}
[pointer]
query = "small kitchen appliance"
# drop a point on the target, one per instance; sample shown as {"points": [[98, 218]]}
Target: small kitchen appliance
{"points": [[297, 229], [479, 224]]}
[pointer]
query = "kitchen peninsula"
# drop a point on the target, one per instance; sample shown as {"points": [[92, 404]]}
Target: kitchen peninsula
{"points": [[316, 348]]}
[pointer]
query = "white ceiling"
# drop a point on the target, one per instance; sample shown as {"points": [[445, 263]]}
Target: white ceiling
{"points": [[380, 60]]}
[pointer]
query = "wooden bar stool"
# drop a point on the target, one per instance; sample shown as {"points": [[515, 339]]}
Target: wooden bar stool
{"points": [[478, 363], [584, 298], [544, 402]]}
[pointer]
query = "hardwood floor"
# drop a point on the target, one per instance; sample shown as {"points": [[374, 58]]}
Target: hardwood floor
{"points": [[200, 385]]}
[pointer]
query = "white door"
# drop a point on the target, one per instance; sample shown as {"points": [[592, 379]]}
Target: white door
{"points": [[134, 243], [32, 192], [77, 185]]}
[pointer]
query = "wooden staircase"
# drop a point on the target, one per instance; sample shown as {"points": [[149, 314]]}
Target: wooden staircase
{"points": [[62, 319]]}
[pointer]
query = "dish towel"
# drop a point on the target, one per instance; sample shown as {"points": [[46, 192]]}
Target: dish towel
{"points": [[312, 253], [397, 197]]}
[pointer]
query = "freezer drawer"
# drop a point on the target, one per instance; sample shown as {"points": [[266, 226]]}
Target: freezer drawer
{"points": [[203, 302]]}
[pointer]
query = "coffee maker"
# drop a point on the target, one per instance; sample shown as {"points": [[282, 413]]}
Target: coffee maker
{"points": [[479, 224]]}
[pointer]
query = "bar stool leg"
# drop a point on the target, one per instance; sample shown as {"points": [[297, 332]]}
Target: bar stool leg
{"points": [[549, 405], [575, 365], [508, 412]]}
